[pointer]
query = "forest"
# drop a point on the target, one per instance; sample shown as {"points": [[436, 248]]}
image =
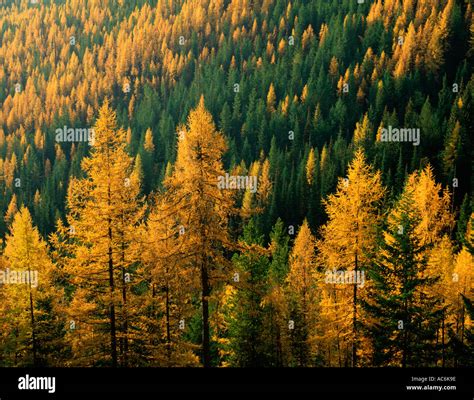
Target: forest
{"points": [[236, 183]]}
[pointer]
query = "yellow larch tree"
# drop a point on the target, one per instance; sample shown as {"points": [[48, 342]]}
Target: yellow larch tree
{"points": [[29, 299], [362, 132], [433, 205], [405, 54], [441, 265], [148, 145], [302, 294], [255, 198], [462, 286], [310, 167], [104, 211], [348, 238], [11, 210], [171, 286], [271, 99], [201, 209]]}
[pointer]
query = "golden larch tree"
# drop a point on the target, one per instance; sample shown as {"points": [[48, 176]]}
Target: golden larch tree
{"points": [[104, 211], [29, 285], [303, 291], [201, 209], [168, 306], [348, 238]]}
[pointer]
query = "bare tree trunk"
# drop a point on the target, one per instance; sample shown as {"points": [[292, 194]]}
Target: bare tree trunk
{"points": [[442, 342], [206, 290], [113, 334], [125, 319], [354, 315], [168, 329], [32, 320]]}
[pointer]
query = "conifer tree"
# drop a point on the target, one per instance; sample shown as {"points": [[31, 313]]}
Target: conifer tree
{"points": [[303, 296], [275, 301], [246, 322], [201, 209], [30, 302], [168, 302], [349, 237], [462, 296], [104, 211], [404, 316], [271, 99]]}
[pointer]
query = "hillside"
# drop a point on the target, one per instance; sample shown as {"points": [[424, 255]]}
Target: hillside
{"points": [[237, 182]]}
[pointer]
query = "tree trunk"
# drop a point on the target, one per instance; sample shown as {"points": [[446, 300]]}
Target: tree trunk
{"points": [[354, 316], [125, 319], [206, 348], [32, 320], [442, 342], [113, 334], [168, 330]]}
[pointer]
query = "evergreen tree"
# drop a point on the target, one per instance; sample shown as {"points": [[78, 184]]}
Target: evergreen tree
{"points": [[246, 321], [405, 317]]}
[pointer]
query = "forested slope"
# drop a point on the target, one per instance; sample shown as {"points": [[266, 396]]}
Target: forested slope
{"points": [[143, 259]]}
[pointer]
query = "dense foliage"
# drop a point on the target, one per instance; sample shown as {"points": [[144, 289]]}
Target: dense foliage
{"points": [[143, 259]]}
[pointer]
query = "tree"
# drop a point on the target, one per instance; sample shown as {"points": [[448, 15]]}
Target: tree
{"points": [[461, 299], [201, 208], [104, 212], [438, 33], [145, 160], [302, 295], [275, 301], [168, 301], [148, 143], [404, 316], [441, 263], [349, 237], [452, 150], [246, 322], [406, 52], [434, 222], [271, 99], [433, 206], [468, 346], [30, 304], [11, 210], [310, 167], [255, 199], [362, 133]]}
